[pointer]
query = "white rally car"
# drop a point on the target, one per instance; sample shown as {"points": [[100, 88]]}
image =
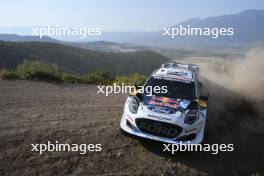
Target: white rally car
{"points": [[177, 116]]}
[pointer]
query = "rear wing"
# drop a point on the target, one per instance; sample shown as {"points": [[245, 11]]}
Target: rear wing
{"points": [[191, 67]]}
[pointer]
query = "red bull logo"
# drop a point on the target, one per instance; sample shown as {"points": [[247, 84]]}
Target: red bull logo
{"points": [[164, 101]]}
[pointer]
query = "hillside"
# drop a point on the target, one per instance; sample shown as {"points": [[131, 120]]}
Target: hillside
{"points": [[108, 46], [79, 60], [25, 38]]}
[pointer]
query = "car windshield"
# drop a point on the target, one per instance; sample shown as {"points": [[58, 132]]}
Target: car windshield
{"points": [[176, 89]]}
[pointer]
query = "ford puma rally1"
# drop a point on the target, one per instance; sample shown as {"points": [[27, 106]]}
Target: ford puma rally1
{"points": [[177, 116]]}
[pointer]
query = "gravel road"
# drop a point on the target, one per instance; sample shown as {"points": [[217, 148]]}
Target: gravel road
{"points": [[38, 112]]}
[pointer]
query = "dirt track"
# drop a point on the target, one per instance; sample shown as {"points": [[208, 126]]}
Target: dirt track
{"points": [[37, 112]]}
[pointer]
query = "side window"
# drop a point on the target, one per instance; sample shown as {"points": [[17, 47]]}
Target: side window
{"points": [[196, 83]]}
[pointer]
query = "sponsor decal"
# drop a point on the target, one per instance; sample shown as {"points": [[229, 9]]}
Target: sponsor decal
{"points": [[184, 104], [159, 118], [165, 105], [190, 130], [177, 73], [161, 109], [173, 78], [159, 129], [163, 101], [130, 118]]}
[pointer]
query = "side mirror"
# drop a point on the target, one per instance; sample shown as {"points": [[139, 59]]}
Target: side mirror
{"points": [[204, 97], [136, 85]]}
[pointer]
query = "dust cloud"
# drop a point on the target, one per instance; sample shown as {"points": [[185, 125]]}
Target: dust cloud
{"points": [[244, 76]]}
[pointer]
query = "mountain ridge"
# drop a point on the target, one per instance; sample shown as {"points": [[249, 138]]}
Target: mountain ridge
{"points": [[248, 29], [78, 60]]}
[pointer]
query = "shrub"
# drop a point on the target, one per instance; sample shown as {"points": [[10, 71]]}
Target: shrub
{"points": [[71, 78], [99, 77], [8, 74], [36, 70]]}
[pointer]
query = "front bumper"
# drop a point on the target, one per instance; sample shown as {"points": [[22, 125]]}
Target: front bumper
{"points": [[135, 131]]}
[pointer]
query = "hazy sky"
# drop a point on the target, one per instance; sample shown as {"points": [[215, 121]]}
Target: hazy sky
{"points": [[116, 15]]}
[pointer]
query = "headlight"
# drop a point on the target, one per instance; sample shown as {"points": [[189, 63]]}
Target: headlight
{"points": [[191, 117], [133, 105]]}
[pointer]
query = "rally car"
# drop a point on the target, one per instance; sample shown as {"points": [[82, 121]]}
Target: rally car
{"points": [[177, 116]]}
